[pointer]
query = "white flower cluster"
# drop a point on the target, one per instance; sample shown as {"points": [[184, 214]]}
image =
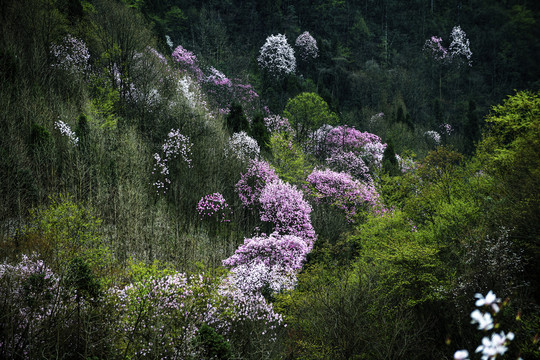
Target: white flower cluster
{"points": [[460, 44], [433, 135], [254, 276], [72, 55], [277, 56], [242, 146], [307, 46], [66, 131], [492, 346]]}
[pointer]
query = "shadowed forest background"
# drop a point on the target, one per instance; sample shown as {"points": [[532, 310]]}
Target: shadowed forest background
{"points": [[230, 179]]}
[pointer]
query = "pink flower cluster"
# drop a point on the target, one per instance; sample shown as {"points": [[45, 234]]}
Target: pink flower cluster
{"points": [[341, 190], [251, 183], [435, 47], [283, 205], [288, 251], [307, 46], [175, 144], [187, 60], [214, 204], [459, 47], [446, 128], [345, 139]]}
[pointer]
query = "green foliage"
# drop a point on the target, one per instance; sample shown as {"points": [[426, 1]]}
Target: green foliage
{"points": [[236, 120], [260, 133], [69, 231], [213, 345], [389, 162], [344, 313], [289, 160], [510, 153], [307, 112]]}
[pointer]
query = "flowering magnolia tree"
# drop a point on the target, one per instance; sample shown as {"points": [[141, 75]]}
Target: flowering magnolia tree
{"points": [[72, 55], [175, 145], [186, 59], [283, 206], [307, 46], [67, 132], [342, 191], [214, 205], [242, 146], [253, 181], [458, 50], [277, 56], [276, 124], [350, 141], [459, 47], [288, 251]]}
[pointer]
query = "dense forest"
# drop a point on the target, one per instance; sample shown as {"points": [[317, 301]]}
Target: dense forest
{"points": [[286, 179]]}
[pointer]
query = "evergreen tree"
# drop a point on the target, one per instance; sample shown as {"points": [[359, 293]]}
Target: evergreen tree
{"points": [[236, 119], [389, 163]]}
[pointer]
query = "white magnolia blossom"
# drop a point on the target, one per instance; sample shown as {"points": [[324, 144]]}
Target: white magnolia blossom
{"points": [[66, 131], [307, 46], [256, 275], [277, 56], [461, 355], [489, 300], [460, 44], [243, 146], [490, 348], [484, 321]]}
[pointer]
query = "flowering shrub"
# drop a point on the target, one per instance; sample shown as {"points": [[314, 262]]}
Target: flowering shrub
{"points": [[433, 135], [277, 56], [251, 183], [284, 206], [307, 46], [341, 190], [287, 251], [175, 144], [66, 131], [160, 315], [242, 146], [72, 55], [214, 204]]}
